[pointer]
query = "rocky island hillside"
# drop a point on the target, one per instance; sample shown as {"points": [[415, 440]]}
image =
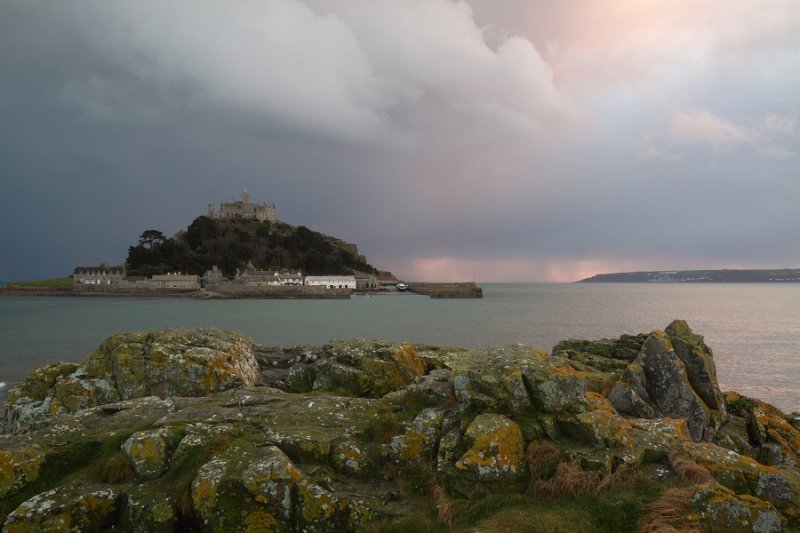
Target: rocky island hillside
{"points": [[231, 243], [207, 431]]}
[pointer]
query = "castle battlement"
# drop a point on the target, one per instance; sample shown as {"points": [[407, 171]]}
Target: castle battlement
{"points": [[244, 209]]}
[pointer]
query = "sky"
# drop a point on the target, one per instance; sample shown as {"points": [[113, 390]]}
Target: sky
{"points": [[523, 140]]}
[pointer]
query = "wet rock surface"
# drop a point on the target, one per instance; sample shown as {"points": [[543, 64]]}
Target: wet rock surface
{"points": [[206, 431]]}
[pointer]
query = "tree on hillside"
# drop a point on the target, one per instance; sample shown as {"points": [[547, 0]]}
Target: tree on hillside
{"points": [[151, 238]]}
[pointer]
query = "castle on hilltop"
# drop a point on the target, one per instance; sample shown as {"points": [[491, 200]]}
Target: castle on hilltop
{"points": [[244, 209]]}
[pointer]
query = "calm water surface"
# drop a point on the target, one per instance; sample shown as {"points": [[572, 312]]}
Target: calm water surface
{"points": [[754, 329]]}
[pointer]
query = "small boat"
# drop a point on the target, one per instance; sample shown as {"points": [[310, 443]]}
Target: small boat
{"points": [[401, 287]]}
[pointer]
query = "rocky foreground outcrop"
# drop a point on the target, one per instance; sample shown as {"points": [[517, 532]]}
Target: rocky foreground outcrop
{"points": [[207, 431]]}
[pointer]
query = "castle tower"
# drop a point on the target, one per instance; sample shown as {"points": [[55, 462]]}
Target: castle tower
{"points": [[245, 197]]}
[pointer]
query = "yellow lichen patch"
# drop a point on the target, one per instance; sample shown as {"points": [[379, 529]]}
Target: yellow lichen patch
{"points": [[97, 504], [18, 468], [406, 356], [56, 408], [204, 495], [737, 472], [59, 522], [497, 451], [566, 371], [317, 505], [411, 447], [260, 522], [147, 450], [348, 458], [600, 424]]}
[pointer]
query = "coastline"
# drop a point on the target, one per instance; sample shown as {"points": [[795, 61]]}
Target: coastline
{"points": [[430, 289]]}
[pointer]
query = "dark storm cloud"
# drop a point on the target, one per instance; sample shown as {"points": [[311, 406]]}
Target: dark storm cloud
{"points": [[444, 141]]}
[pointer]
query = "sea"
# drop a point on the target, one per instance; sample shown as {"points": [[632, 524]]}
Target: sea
{"points": [[753, 329]]}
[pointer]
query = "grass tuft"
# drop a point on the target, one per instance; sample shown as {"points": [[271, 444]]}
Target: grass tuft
{"points": [[115, 469], [624, 477], [382, 428], [543, 460], [668, 513], [444, 510], [690, 472], [569, 481]]}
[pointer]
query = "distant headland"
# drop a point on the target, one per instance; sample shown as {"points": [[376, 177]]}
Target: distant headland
{"points": [[782, 275]]}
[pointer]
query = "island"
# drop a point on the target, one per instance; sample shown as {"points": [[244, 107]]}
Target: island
{"points": [[783, 275], [205, 430], [239, 250]]}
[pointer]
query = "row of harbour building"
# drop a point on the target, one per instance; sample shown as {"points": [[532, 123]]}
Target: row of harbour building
{"points": [[110, 278]]}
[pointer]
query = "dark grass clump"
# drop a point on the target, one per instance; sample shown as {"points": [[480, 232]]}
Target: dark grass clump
{"points": [[115, 469], [382, 428], [543, 460]]}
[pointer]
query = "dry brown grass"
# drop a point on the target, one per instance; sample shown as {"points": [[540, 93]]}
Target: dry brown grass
{"points": [[543, 459], [444, 510], [116, 469], [690, 472], [607, 387], [668, 513], [569, 481], [553, 478], [625, 476], [185, 506]]}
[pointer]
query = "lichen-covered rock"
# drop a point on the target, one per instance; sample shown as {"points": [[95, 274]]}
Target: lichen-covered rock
{"points": [[630, 395], [80, 391], [658, 384], [366, 368], [669, 387], [270, 480], [246, 487], [717, 508], [148, 452], [178, 362], [26, 401], [598, 425], [255, 458], [349, 457], [698, 360], [516, 379], [132, 365], [299, 378], [323, 510], [656, 438], [73, 508], [778, 440], [744, 475], [419, 442], [150, 511], [18, 468], [606, 355], [495, 459], [435, 387], [626, 348], [307, 428]]}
